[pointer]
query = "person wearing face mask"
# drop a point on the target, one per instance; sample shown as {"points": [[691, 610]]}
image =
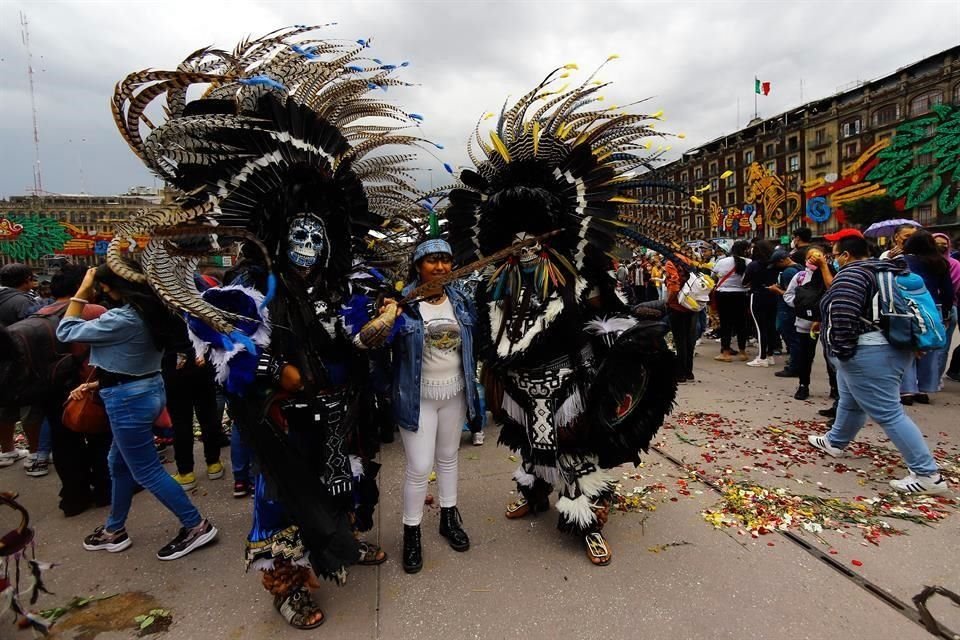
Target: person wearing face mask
{"points": [[434, 390], [761, 277], [800, 244], [923, 374], [869, 368]]}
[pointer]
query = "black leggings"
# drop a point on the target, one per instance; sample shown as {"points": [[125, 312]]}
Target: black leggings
{"points": [[190, 389], [684, 328], [806, 353], [732, 309], [764, 311]]}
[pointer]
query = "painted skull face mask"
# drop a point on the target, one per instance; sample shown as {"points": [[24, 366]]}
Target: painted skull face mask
{"points": [[307, 241]]}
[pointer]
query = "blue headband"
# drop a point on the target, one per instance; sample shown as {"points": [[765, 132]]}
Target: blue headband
{"points": [[434, 245]]}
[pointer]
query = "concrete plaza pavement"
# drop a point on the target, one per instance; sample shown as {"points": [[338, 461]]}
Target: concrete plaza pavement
{"points": [[673, 576]]}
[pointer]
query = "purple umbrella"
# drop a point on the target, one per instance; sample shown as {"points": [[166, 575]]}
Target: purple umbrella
{"points": [[887, 227]]}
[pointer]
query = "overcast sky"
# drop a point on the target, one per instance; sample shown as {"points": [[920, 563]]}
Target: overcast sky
{"points": [[695, 59]]}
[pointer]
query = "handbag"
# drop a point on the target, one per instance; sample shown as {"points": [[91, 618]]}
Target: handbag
{"points": [[86, 414], [713, 292]]}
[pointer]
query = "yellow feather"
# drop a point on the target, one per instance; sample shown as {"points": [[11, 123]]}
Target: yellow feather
{"points": [[624, 199], [571, 65], [613, 56], [696, 200], [487, 116], [681, 135], [726, 174], [536, 138], [658, 114], [499, 146]]}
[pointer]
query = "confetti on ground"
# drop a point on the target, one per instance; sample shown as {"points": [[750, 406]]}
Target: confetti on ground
{"points": [[760, 510], [657, 548]]}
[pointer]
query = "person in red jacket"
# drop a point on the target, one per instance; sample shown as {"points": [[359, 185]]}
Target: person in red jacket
{"points": [[683, 321]]}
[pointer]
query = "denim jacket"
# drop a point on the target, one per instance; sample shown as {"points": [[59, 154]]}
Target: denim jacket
{"points": [[408, 360], [119, 341]]}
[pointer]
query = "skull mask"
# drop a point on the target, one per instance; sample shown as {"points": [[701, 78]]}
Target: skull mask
{"points": [[530, 254], [307, 241]]}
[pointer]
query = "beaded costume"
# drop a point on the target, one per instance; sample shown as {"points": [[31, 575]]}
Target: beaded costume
{"points": [[585, 383], [283, 151]]}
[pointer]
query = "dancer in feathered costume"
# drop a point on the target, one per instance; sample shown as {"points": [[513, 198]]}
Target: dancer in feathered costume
{"points": [[283, 151], [586, 383]]}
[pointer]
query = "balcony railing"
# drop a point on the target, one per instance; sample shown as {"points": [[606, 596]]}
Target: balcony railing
{"points": [[820, 143], [821, 164]]}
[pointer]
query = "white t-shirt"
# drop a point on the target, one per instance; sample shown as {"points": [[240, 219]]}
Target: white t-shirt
{"points": [[442, 373], [735, 281]]}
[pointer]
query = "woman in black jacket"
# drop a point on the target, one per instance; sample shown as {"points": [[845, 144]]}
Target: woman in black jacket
{"points": [[761, 279]]}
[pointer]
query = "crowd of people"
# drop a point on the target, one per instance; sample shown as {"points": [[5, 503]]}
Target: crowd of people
{"points": [[785, 301], [345, 319]]}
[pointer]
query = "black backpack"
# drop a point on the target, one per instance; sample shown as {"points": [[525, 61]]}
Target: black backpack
{"points": [[806, 304], [34, 362]]}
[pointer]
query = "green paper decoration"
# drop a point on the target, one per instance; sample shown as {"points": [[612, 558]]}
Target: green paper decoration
{"points": [[936, 135], [41, 235]]}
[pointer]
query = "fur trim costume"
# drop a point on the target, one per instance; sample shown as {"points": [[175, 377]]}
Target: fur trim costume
{"points": [[284, 152], [583, 379]]}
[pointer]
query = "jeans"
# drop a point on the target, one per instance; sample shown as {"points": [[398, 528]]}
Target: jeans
{"points": [[788, 331], [437, 438], [240, 457], [869, 384], [46, 441], [920, 375], [132, 408]]}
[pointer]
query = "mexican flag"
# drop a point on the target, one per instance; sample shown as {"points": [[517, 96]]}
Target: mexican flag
{"points": [[761, 87]]}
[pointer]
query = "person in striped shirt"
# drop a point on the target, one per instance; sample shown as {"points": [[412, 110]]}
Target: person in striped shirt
{"points": [[869, 369]]}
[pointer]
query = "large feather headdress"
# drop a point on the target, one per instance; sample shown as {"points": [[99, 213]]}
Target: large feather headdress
{"points": [[285, 124], [557, 160]]}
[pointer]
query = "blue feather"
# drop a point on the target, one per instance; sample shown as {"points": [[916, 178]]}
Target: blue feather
{"points": [[416, 116], [245, 340], [448, 168], [377, 60], [389, 67], [404, 64], [356, 68], [376, 274], [271, 291], [263, 81]]}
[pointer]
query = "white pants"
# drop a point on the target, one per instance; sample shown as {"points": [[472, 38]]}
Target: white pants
{"points": [[438, 436]]}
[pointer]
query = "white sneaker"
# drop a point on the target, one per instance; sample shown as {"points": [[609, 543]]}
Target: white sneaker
{"points": [[478, 438], [821, 442], [29, 459], [10, 457], [759, 362], [771, 362], [930, 485]]}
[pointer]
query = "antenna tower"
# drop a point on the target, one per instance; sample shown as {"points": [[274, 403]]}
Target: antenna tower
{"points": [[25, 35]]}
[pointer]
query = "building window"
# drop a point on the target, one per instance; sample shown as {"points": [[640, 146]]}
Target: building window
{"points": [[731, 197], [670, 195], [686, 222], [820, 136], [714, 184], [683, 176], [697, 173], [731, 180], [748, 157], [923, 103], [956, 95], [771, 167], [770, 150], [924, 159], [699, 221], [924, 214], [820, 158], [731, 162], [851, 150], [793, 163], [713, 168], [850, 128], [886, 115], [793, 143]]}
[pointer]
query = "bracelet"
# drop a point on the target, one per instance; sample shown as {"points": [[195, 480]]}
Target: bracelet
{"points": [[80, 300]]}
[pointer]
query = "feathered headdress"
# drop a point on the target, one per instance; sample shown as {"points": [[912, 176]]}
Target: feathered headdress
{"points": [[286, 126], [555, 161]]}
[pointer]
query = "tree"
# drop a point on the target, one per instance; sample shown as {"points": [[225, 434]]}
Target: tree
{"points": [[866, 211]]}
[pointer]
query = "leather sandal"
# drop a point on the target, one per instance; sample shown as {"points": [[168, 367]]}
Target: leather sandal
{"points": [[297, 608], [597, 549], [522, 507], [371, 554]]}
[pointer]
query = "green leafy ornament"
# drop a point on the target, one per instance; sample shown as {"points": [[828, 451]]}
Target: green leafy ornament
{"points": [[935, 136], [41, 236]]}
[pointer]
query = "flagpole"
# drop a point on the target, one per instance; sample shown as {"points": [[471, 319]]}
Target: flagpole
{"points": [[756, 113]]}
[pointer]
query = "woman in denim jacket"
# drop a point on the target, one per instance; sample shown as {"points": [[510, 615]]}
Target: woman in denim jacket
{"points": [[126, 345], [434, 390]]}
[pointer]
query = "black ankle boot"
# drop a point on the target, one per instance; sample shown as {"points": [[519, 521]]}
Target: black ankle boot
{"points": [[451, 529], [412, 551]]}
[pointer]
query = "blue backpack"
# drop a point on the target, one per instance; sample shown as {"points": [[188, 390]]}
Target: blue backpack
{"points": [[907, 314]]}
